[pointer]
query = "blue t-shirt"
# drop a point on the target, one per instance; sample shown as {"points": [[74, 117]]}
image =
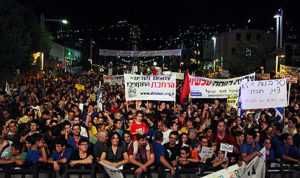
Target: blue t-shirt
{"points": [[291, 151], [33, 156], [57, 156], [159, 151], [248, 149]]}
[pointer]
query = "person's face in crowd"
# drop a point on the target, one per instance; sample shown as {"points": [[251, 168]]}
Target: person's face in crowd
{"points": [[179, 108], [90, 108], [263, 126], [216, 118], [176, 121], [163, 105], [12, 127], [139, 117], [28, 145], [220, 154], [184, 114], [216, 102], [257, 139], [142, 142], [209, 133], [115, 140], [184, 154], [76, 130], [204, 142], [241, 138], [250, 118], [127, 138], [118, 125], [168, 106], [76, 120], [95, 120], [290, 124], [40, 143], [263, 117], [130, 122], [71, 116], [250, 139], [221, 127], [238, 120], [198, 149], [59, 148], [14, 151], [267, 143], [174, 127], [84, 146], [116, 105], [195, 114], [150, 105], [223, 115], [184, 138], [5, 114], [33, 127], [289, 140], [118, 116], [172, 139], [159, 126], [189, 124], [104, 137]]}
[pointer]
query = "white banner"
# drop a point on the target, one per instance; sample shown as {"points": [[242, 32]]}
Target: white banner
{"points": [[255, 169], [264, 94], [112, 171], [149, 87], [217, 88], [113, 79], [117, 53]]}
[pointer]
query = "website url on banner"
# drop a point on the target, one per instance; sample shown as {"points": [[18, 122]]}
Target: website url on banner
{"points": [[157, 93]]}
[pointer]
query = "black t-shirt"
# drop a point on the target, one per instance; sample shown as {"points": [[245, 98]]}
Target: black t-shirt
{"points": [[99, 148], [114, 158], [75, 155], [171, 152]]}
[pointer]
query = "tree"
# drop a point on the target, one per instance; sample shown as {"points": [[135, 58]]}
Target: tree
{"points": [[20, 36], [249, 57]]}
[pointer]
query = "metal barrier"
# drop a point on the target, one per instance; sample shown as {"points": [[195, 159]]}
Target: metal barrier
{"points": [[95, 171]]}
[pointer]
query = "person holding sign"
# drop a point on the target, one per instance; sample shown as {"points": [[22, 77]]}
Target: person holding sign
{"points": [[250, 148], [220, 162]]}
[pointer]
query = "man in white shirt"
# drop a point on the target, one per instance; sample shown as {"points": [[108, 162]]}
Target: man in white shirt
{"points": [[163, 126]]}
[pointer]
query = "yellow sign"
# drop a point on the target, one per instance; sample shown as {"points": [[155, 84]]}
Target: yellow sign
{"points": [[93, 97], [79, 87], [289, 71], [232, 103]]}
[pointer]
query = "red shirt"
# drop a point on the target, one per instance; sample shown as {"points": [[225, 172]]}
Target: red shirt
{"points": [[229, 140], [142, 127], [112, 110]]}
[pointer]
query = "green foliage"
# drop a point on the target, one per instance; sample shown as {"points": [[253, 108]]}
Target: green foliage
{"points": [[249, 57], [20, 36]]}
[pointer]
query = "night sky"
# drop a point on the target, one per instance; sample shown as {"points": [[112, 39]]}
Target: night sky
{"points": [[164, 13]]}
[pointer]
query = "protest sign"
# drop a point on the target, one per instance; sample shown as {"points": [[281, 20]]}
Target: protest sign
{"points": [[206, 152], [232, 171], [226, 147], [291, 79], [232, 102], [149, 87], [93, 97], [289, 70], [79, 87], [112, 171], [262, 76], [264, 94], [113, 79], [216, 88]]}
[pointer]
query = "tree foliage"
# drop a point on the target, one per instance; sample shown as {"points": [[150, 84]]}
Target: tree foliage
{"points": [[248, 58], [20, 36]]}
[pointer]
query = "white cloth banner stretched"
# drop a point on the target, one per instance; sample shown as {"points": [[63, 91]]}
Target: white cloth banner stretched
{"points": [[149, 87], [112, 171], [118, 53], [216, 88], [255, 169], [264, 94], [113, 79]]}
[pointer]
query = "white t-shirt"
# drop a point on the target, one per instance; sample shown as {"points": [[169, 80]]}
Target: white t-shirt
{"points": [[166, 136]]}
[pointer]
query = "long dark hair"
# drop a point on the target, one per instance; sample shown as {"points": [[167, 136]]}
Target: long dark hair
{"points": [[112, 135]]}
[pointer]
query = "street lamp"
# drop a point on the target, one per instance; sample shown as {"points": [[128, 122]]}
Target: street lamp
{"points": [[63, 21], [278, 16], [215, 61]]}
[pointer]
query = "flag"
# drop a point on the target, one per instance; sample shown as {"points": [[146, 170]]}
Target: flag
{"points": [[186, 90], [7, 90], [99, 99], [279, 114], [240, 110], [257, 115]]}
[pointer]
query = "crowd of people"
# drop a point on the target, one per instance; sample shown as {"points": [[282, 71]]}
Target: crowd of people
{"points": [[51, 122]]}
